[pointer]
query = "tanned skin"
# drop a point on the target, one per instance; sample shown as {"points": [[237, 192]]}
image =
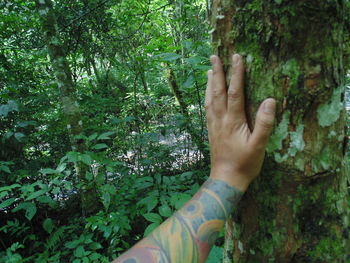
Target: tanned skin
{"points": [[237, 154]]}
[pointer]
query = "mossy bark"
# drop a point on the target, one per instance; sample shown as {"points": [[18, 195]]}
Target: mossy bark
{"points": [[61, 69], [297, 210]]}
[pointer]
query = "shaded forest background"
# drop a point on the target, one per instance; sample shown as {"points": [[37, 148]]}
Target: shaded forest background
{"points": [[140, 151]]}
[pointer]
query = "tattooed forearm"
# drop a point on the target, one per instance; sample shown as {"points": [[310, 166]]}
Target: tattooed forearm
{"points": [[189, 234]]}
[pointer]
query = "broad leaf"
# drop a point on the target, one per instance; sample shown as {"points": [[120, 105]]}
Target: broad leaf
{"points": [[7, 202], [150, 228], [86, 158], [100, 146], [153, 217], [29, 207], [36, 194], [165, 211], [105, 136], [48, 225]]}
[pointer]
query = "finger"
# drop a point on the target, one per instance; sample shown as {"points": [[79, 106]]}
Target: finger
{"points": [[265, 119], [218, 88], [208, 93], [235, 93]]}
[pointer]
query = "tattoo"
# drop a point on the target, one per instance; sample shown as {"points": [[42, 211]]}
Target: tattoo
{"points": [[190, 233]]}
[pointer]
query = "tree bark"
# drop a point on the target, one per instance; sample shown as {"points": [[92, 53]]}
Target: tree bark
{"points": [[63, 74], [296, 211]]}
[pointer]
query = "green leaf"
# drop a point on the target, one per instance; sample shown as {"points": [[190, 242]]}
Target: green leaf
{"points": [[150, 228], [106, 199], [86, 158], [153, 217], [110, 189], [79, 252], [153, 201], [36, 194], [168, 56], [72, 244], [94, 257], [48, 225], [73, 156], [48, 171], [8, 134], [9, 107], [29, 207], [189, 82], [92, 137], [165, 211], [105, 136], [95, 246], [195, 60], [278, 2], [178, 200], [186, 176], [100, 146], [80, 137], [215, 255], [19, 136], [7, 202], [5, 168], [26, 123], [45, 200], [89, 176], [16, 246], [9, 187], [107, 231]]}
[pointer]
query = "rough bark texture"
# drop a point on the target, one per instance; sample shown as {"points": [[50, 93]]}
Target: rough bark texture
{"points": [[296, 211], [69, 101]]}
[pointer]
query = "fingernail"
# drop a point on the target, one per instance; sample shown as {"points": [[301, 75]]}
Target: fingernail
{"points": [[213, 59], [269, 106], [235, 59]]}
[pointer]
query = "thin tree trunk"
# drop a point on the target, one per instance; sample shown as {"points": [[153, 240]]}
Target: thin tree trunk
{"points": [[195, 136], [144, 81], [89, 199], [296, 211]]}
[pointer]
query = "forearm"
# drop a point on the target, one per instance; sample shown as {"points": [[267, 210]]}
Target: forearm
{"points": [[189, 234]]}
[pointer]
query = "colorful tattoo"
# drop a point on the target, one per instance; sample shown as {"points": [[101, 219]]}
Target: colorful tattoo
{"points": [[189, 234]]}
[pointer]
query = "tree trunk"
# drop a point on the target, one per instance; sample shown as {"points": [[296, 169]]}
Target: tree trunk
{"points": [[296, 211], [183, 107], [60, 65]]}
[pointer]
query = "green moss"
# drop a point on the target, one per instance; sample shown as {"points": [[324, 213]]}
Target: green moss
{"points": [[330, 249], [332, 134], [329, 113], [300, 164], [296, 144], [291, 69], [296, 140], [322, 162], [279, 134]]}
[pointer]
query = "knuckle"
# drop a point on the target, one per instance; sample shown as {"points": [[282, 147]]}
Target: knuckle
{"points": [[217, 92], [265, 123], [233, 94]]}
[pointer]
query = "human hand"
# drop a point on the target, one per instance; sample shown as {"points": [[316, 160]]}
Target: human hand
{"points": [[237, 153]]}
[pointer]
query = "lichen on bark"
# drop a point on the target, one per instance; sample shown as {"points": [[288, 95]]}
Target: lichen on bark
{"points": [[291, 212]]}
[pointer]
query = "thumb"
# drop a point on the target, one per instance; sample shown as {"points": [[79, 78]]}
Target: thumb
{"points": [[264, 122]]}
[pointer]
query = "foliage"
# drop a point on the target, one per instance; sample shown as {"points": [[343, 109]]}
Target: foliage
{"points": [[138, 155]]}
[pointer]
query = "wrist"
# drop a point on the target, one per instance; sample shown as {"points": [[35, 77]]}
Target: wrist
{"points": [[231, 177]]}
